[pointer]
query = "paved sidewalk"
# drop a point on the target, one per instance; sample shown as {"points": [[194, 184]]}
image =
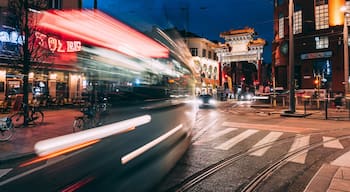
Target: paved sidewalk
{"points": [[56, 123]]}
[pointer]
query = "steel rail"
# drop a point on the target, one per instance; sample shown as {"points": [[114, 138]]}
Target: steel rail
{"points": [[199, 176], [267, 172]]}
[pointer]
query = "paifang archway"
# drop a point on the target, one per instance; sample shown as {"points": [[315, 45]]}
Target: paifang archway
{"points": [[238, 52]]}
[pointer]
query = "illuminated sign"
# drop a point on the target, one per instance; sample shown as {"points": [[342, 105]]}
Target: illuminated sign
{"points": [[336, 15], [317, 55], [57, 45], [10, 37]]}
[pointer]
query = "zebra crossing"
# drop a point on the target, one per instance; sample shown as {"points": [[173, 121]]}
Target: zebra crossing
{"points": [[229, 137]]}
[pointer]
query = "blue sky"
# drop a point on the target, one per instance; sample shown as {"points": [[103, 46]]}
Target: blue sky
{"points": [[207, 18]]}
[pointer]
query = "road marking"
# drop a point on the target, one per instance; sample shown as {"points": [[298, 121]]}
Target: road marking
{"points": [[132, 155], [332, 144], [203, 130], [298, 143], [343, 161], [235, 140], [268, 127], [271, 137], [3, 172], [48, 163], [214, 136]]}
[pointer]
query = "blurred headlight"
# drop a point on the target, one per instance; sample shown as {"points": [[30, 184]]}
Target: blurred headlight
{"points": [[249, 96], [212, 101]]}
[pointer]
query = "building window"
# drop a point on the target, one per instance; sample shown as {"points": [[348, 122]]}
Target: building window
{"points": [[209, 54], [321, 42], [55, 4], [281, 27], [321, 16], [321, 2], [297, 22], [280, 2], [194, 51], [204, 53]]}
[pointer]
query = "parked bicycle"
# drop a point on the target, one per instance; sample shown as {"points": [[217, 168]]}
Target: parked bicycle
{"points": [[91, 117], [6, 129], [35, 116]]}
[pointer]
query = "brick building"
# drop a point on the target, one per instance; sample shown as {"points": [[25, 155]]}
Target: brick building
{"points": [[318, 47]]}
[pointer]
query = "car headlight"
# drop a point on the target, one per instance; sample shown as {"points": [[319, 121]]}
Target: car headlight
{"points": [[212, 101], [249, 96]]}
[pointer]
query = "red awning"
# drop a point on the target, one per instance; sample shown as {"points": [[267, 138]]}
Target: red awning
{"points": [[97, 28]]}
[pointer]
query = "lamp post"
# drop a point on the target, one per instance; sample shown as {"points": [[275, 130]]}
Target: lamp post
{"points": [[346, 51], [291, 59]]}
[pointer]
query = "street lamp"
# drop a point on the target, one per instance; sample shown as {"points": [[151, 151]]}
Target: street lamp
{"points": [[346, 50]]}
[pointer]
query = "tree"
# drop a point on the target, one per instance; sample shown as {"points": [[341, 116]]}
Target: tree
{"points": [[32, 54]]}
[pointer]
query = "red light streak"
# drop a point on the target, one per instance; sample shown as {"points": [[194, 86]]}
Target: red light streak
{"points": [[97, 28], [78, 185]]}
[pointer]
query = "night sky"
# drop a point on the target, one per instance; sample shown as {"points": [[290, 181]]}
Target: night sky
{"points": [[207, 18]]}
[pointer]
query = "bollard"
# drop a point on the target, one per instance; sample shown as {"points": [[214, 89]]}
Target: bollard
{"points": [[305, 107], [326, 108]]}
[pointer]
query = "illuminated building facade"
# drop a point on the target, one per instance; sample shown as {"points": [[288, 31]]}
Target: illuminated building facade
{"points": [[53, 75], [76, 58], [205, 63], [318, 47]]}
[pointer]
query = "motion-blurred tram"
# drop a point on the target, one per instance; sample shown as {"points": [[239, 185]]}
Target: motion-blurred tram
{"points": [[148, 126]]}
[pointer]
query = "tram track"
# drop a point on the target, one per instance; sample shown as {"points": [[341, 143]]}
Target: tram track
{"points": [[263, 174]]}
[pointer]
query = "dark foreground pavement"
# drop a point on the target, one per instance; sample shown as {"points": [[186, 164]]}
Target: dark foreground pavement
{"points": [[59, 122]]}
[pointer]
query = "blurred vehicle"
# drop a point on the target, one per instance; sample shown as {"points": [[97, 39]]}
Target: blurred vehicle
{"points": [[148, 81], [246, 96], [206, 100]]}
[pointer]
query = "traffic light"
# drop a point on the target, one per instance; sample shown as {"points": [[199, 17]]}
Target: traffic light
{"points": [[317, 81]]}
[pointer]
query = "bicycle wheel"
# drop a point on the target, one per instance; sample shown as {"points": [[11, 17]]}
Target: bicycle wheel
{"points": [[6, 132], [37, 117], [17, 119], [78, 124]]}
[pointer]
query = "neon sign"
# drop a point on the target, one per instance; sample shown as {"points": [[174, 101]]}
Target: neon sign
{"points": [[57, 45]]}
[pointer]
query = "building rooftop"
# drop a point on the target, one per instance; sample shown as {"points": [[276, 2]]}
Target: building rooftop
{"points": [[238, 32]]}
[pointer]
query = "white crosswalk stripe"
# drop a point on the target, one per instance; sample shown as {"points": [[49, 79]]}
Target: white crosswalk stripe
{"points": [[343, 161], [235, 140], [3, 172], [298, 143], [332, 144], [214, 136], [271, 137]]}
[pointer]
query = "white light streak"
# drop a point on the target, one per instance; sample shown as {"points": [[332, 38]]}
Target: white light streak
{"points": [[52, 145]]}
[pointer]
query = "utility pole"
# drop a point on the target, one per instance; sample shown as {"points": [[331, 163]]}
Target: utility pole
{"points": [[26, 64], [346, 54], [95, 4], [291, 59]]}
